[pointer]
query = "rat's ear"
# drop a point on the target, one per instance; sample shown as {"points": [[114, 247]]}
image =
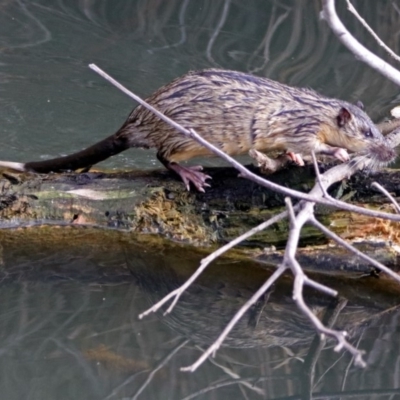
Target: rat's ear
{"points": [[360, 105], [343, 117]]}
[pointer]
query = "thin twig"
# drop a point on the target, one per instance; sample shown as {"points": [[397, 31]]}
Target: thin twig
{"points": [[318, 175], [216, 345], [354, 250], [362, 53], [289, 206], [206, 261], [347, 370], [318, 286], [387, 194], [340, 336], [371, 31], [158, 367]]}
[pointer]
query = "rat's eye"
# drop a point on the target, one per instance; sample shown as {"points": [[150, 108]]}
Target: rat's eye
{"points": [[368, 133]]}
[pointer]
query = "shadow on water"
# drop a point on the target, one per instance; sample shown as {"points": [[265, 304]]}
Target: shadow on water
{"points": [[69, 326]]}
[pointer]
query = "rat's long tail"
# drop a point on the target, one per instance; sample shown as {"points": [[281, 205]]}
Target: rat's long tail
{"points": [[82, 159]]}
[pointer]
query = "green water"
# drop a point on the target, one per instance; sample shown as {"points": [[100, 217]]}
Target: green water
{"points": [[68, 319]]}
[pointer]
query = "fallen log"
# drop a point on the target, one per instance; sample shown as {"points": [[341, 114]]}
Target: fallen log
{"points": [[156, 202]]}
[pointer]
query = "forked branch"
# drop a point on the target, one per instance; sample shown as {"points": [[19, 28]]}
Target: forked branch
{"points": [[299, 215]]}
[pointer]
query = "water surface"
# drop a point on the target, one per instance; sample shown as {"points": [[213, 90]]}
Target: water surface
{"points": [[52, 104], [68, 316], [70, 329]]}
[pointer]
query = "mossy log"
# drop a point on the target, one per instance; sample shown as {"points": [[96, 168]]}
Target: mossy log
{"points": [[156, 202]]}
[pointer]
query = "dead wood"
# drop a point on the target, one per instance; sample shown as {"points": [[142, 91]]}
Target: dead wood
{"points": [[156, 202]]}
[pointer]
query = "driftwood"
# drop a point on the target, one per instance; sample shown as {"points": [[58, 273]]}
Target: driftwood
{"points": [[157, 202]]}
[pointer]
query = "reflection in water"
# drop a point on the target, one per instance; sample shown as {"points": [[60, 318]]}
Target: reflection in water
{"points": [[23, 28], [69, 326]]}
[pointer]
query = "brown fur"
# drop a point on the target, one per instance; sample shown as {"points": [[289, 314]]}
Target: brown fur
{"points": [[236, 112]]}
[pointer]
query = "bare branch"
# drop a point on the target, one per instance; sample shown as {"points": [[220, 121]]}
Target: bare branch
{"points": [[318, 175], [351, 248], [387, 194], [362, 53], [216, 345], [304, 215], [371, 31], [320, 287], [206, 261], [289, 206]]}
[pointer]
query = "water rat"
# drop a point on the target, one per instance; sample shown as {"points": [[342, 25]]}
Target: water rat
{"points": [[236, 112]]}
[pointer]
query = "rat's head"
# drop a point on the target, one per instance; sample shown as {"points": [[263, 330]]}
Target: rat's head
{"points": [[355, 132]]}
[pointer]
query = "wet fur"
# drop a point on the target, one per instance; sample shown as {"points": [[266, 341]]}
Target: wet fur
{"points": [[236, 112]]}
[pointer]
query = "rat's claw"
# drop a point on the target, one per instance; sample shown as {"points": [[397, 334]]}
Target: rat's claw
{"points": [[296, 158], [191, 174], [341, 154]]}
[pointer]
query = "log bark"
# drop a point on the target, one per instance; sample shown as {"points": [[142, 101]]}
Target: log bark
{"points": [[156, 202]]}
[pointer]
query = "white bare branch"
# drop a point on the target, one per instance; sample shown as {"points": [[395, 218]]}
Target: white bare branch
{"points": [[299, 215], [216, 345], [387, 194], [361, 52], [352, 9], [318, 175], [297, 222], [175, 294]]}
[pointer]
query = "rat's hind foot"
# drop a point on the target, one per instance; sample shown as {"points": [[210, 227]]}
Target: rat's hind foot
{"points": [[191, 174]]}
